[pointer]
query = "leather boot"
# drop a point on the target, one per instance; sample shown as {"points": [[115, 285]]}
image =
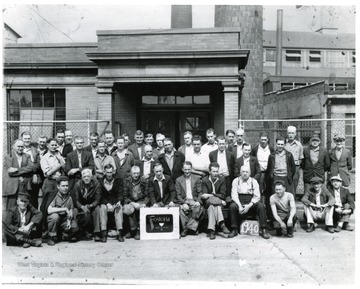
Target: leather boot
{"points": [[34, 243], [233, 233], [120, 238], [265, 233], [103, 236]]}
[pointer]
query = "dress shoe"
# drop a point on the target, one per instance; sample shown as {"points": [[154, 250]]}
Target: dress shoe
{"points": [[337, 229], [30, 242], [290, 231], [128, 235], [120, 237], [347, 227], [103, 236], [185, 232], [212, 235], [265, 234], [330, 229], [73, 239], [26, 245], [233, 233], [310, 228], [51, 242], [137, 236], [97, 238], [87, 235], [224, 229]]}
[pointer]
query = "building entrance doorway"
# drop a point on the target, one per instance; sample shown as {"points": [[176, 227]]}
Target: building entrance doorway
{"points": [[173, 123]]}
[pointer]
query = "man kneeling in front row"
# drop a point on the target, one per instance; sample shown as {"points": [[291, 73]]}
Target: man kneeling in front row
{"points": [[245, 194], [20, 223], [283, 209], [61, 214]]}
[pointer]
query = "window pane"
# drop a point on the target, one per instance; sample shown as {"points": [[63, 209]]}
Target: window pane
{"points": [[49, 98], [37, 99], [60, 114], [14, 114], [150, 99], [25, 98], [60, 98], [14, 98], [201, 99], [184, 99], [166, 99]]}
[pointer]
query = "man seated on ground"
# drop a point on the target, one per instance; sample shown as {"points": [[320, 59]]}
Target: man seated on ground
{"points": [[344, 204], [245, 194], [111, 202], [213, 198], [188, 192], [318, 205], [161, 188], [283, 210], [135, 197], [61, 214], [87, 197], [21, 223]]}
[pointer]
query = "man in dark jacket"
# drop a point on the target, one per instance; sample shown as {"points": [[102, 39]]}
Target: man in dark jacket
{"points": [[249, 161], [21, 223], [171, 160], [315, 163], [111, 202]]}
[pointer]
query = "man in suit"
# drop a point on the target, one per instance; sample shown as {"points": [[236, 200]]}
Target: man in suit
{"points": [[21, 224], [315, 163], [236, 147], [340, 160], [188, 191], [249, 161], [60, 138], [123, 158], [171, 160], [230, 137], [94, 141], [187, 148], [161, 188], [147, 162], [226, 161], [35, 180], [262, 151], [213, 198], [318, 205], [137, 149], [77, 161], [41, 147], [344, 204], [135, 197], [111, 202], [69, 146], [19, 168]]}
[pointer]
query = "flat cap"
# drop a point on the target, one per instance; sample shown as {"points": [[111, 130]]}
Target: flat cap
{"points": [[337, 177], [315, 137], [338, 136], [24, 196], [316, 180]]}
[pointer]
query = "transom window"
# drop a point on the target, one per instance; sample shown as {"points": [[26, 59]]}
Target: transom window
{"points": [[315, 56], [175, 100]]}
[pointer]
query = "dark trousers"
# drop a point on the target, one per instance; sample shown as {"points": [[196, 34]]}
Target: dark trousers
{"points": [[56, 221], [34, 195], [13, 239], [284, 219], [88, 221], [257, 210]]}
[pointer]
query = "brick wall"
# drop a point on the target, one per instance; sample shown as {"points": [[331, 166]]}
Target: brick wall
{"points": [[181, 16], [125, 111]]}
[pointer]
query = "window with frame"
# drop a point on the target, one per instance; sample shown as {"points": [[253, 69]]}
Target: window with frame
{"points": [[338, 86], [314, 56], [293, 55], [335, 59], [175, 100]]}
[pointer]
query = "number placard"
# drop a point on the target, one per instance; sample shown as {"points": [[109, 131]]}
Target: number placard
{"points": [[249, 227]]}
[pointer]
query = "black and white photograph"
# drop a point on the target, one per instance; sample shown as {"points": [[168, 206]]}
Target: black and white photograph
{"points": [[179, 143]]}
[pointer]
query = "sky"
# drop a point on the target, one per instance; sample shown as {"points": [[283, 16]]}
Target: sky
{"points": [[78, 23]]}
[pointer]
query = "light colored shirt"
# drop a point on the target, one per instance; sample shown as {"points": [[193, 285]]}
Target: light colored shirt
{"points": [[280, 164], [296, 149], [314, 155], [317, 198], [200, 161], [101, 162], [263, 157], [108, 185], [188, 188], [207, 148], [246, 162], [22, 218], [121, 156], [213, 184], [48, 161], [147, 167], [94, 151], [139, 149], [242, 187], [337, 198], [188, 151], [338, 153], [283, 205], [221, 159], [28, 151], [169, 158], [160, 185], [19, 159], [60, 148], [79, 157], [239, 151]]}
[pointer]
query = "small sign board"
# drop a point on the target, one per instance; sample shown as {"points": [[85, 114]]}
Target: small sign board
{"points": [[249, 227], [159, 223]]}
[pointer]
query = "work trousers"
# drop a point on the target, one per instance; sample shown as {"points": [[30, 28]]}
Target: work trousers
{"points": [[89, 221], [117, 214], [13, 239], [55, 220], [284, 219], [319, 215], [257, 210], [295, 181], [342, 217], [190, 218], [133, 216], [215, 216]]}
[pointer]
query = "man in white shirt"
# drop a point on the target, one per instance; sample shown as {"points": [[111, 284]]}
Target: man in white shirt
{"points": [[245, 194], [186, 149], [147, 162], [211, 145], [236, 148], [199, 159]]}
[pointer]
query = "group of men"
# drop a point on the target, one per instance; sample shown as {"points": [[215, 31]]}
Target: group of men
{"points": [[97, 191]]}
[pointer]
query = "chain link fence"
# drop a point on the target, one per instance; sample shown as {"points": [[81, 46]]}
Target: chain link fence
{"points": [[305, 128]]}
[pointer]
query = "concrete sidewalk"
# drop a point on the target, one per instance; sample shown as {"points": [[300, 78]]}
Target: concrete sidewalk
{"points": [[308, 258]]}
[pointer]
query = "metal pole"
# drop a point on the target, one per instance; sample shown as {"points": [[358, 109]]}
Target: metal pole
{"points": [[279, 31]]}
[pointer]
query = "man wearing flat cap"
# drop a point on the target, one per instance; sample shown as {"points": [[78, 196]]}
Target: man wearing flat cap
{"points": [[283, 209], [316, 161], [344, 204], [340, 160], [318, 205], [21, 224]]}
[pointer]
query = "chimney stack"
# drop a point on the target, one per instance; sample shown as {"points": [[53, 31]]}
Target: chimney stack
{"points": [[181, 16], [279, 33]]}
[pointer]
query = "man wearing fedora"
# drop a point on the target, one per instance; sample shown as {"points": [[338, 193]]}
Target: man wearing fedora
{"points": [[316, 161], [340, 160], [21, 224], [318, 205], [344, 204]]}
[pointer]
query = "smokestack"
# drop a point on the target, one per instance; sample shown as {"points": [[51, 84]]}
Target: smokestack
{"points": [[181, 16], [279, 32]]}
